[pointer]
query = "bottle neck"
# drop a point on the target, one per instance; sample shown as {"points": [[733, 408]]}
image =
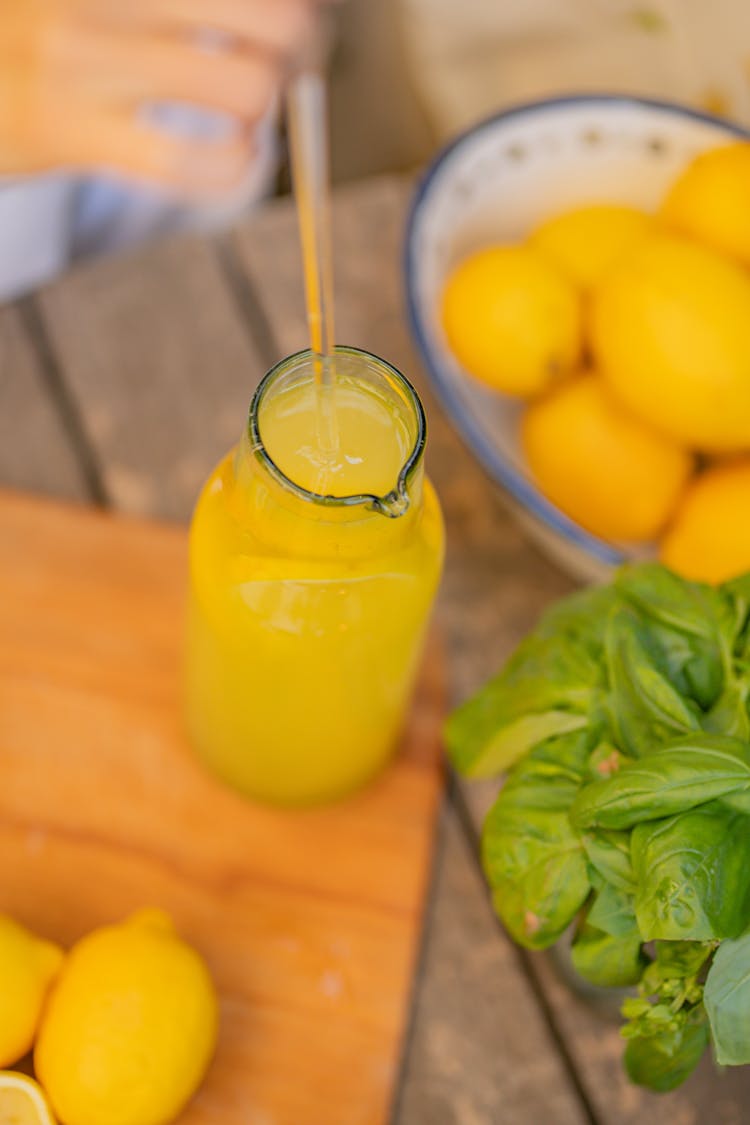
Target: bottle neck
{"points": [[300, 495], [287, 524]]}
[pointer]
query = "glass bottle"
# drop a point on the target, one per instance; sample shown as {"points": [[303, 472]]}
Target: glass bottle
{"points": [[311, 584]]}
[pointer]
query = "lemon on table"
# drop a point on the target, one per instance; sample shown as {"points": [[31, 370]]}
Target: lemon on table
{"points": [[710, 201], [512, 320], [669, 330], [709, 538], [606, 470], [586, 242], [130, 1026], [22, 1101], [28, 966]]}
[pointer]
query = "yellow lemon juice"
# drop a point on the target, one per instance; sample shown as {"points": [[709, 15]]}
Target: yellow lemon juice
{"points": [[313, 571]]}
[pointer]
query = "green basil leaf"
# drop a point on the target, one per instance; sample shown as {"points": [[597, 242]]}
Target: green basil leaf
{"points": [[645, 709], [604, 760], [558, 760], [510, 743], [613, 912], [692, 625], [729, 714], [693, 875], [565, 755], [533, 860], [692, 665], [549, 685], [681, 958], [727, 999], [663, 1062], [672, 779], [738, 592], [739, 801], [605, 960], [692, 608], [609, 853], [580, 618], [704, 678]]}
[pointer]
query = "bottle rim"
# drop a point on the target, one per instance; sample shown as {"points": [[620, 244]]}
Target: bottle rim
{"points": [[394, 503]]}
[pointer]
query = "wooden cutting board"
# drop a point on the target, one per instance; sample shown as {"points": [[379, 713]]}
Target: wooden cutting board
{"points": [[309, 921]]}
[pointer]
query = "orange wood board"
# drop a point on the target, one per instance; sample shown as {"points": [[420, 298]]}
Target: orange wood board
{"points": [[309, 920]]}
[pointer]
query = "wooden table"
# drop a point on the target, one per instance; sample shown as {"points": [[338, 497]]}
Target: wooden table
{"points": [[121, 385]]}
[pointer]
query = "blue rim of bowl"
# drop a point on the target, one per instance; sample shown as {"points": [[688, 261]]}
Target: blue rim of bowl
{"points": [[497, 467]]}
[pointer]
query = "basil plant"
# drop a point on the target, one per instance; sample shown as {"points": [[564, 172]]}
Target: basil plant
{"points": [[622, 724]]}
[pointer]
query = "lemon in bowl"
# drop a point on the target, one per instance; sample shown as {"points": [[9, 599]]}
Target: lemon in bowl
{"points": [[669, 330], [513, 319], [709, 536], [610, 472], [585, 243], [710, 201]]}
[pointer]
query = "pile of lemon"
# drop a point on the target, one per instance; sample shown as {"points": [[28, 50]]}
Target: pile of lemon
{"points": [[122, 1027], [629, 334]]}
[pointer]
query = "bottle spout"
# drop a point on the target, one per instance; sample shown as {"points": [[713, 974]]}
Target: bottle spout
{"points": [[394, 505]]}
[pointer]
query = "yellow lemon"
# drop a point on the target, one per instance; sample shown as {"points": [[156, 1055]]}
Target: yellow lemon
{"points": [[670, 332], [28, 966], [130, 1026], [609, 472], [710, 201], [512, 320], [709, 538], [586, 242], [22, 1101]]}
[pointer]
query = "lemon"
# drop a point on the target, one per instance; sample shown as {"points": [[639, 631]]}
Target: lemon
{"points": [[609, 472], [27, 968], [130, 1026], [512, 320], [709, 538], [670, 329], [22, 1101], [586, 242], [710, 201]]}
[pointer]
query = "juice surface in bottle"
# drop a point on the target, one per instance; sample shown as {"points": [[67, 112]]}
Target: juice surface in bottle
{"points": [[314, 559]]}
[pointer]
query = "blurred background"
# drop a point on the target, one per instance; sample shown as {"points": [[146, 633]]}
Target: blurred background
{"points": [[379, 122], [133, 98], [407, 74], [120, 127], [125, 379]]}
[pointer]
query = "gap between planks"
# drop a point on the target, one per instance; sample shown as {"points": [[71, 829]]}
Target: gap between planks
{"points": [[351, 206], [248, 306], [63, 402], [471, 835], [257, 325]]}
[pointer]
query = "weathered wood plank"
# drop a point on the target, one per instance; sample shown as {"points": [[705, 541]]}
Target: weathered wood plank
{"points": [[368, 220], [480, 1052], [161, 368], [495, 587], [709, 1097], [35, 451]]}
